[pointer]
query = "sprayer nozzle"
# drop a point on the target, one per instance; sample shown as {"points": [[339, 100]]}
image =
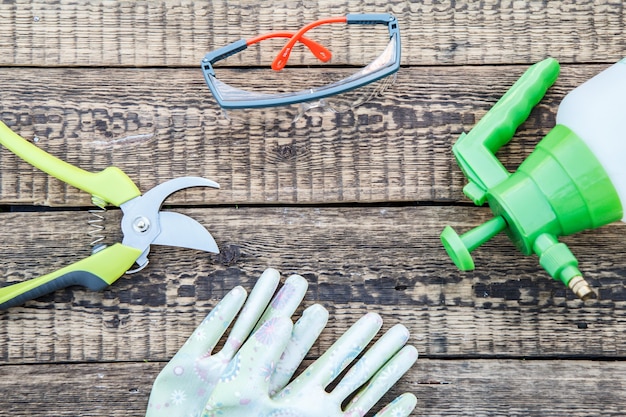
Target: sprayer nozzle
{"points": [[457, 250], [581, 288], [459, 247]]}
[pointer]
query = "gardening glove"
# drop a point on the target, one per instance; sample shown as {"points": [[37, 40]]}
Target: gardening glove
{"points": [[183, 387], [246, 390]]}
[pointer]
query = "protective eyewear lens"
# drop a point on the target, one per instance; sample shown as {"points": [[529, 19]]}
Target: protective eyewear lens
{"points": [[309, 113]]}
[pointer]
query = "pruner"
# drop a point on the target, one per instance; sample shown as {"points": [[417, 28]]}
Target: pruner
{"points": [[143, 224]]}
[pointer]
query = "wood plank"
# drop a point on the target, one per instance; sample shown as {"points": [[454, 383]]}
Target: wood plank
{"points": [[543, 388], [391, 149], [180, 32], [356, 259]]}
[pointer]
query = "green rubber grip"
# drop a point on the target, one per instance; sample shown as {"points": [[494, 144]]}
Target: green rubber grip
{"points": [[95, 272], [111, 185]]}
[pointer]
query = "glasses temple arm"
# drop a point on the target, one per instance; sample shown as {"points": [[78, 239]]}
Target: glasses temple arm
{"points": [[354, 18], [222, 53], [316, 48], [283, 56], [370, 18]]}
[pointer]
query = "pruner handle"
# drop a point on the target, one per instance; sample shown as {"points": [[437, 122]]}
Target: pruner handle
{"points": [[95, 272], [475, 151], [111, 185]]}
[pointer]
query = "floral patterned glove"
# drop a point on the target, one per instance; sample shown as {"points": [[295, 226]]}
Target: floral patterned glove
{"points": [[246, 389], [185, 384]]}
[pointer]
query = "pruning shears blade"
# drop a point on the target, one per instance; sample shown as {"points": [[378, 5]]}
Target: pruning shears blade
{"points": [[157, 195], [144, 224], [183, 231]]}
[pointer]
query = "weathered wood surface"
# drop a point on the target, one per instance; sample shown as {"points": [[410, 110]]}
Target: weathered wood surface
{"points": [[105, 83], [507, 307], [396, 149], [516, 388], [179, 32]]}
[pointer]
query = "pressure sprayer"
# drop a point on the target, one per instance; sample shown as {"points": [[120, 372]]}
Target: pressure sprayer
{"points": [[575, 179]]}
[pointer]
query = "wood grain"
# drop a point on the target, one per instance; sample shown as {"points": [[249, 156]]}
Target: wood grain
{"points": [[443, 388], [176, 33], [384, 259], [393, 149], [354, 201]]}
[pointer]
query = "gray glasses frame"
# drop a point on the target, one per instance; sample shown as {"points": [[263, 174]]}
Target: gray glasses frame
{"points": [[270, 100]]}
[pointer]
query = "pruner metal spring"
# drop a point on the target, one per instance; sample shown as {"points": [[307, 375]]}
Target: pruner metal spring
{"points": [[96, 224]]}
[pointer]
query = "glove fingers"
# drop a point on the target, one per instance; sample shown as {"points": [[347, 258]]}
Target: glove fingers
{"points": [[286, 300], [190, 370], [324, 370], [384, 379], [212, 328], [259, 355], [373, 360], [305, 333], [257, 302], [400, 407]]}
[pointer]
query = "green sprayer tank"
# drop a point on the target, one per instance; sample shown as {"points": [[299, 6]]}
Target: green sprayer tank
{"points": [[575, 179]]}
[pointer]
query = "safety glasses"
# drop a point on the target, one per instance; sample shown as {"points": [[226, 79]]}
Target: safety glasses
{"points": [[272, 91]]}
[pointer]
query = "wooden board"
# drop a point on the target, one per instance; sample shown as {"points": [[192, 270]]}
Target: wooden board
{"points": [[179, 32], [443, 388], [384, 259], [393, 150]]}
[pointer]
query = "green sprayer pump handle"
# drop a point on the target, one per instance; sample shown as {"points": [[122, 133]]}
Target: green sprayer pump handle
{"points": [[111, 185], [475, 151]]}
